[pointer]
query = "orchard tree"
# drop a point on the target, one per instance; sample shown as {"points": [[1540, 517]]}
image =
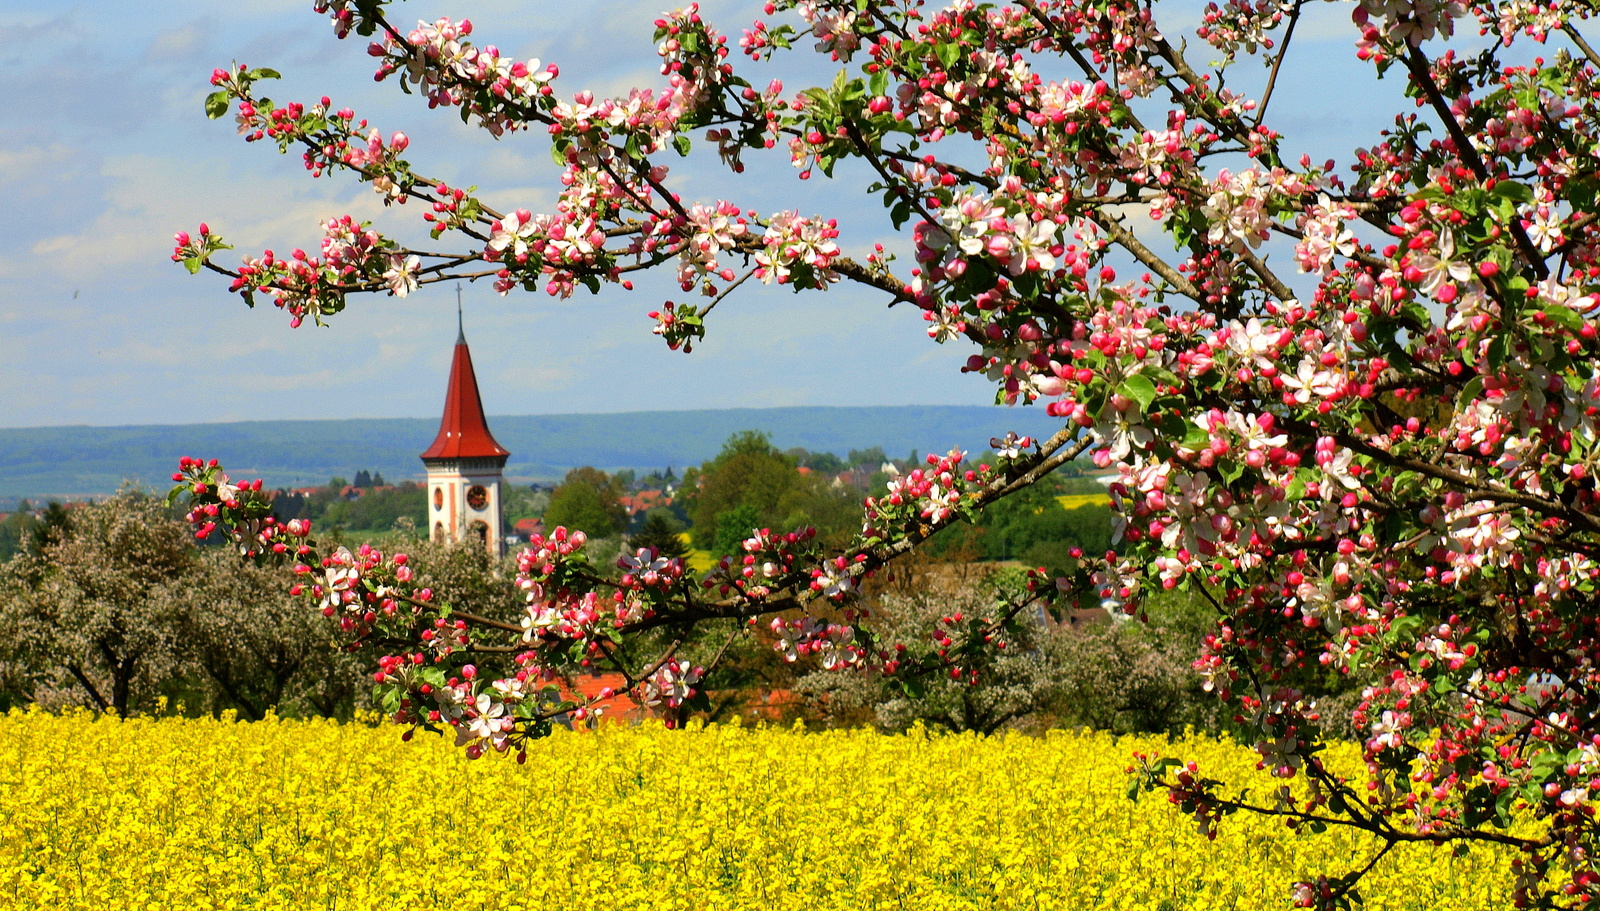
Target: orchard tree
{"points": [[117, 607], [95, 606], [1351, 403], [1020, 677]]}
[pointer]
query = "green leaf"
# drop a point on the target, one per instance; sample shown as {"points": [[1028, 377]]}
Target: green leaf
{"points": [[1469, 392], [1516, 192], [1582, 193], [682, 143], [1140, 389], [1499, 347], [899, 213], [1565, 316], [1172, 426], [192, 263], [948, 54], [217, 104], [1160, 766], [913, 686]]}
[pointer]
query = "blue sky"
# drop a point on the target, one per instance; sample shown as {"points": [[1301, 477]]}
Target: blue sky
{"points": [[105, 152]]}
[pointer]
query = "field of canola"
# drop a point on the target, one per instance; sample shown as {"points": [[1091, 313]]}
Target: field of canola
{"points": [[311, 815]]}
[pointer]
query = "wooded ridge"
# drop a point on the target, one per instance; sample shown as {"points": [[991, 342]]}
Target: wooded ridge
{"points": [[82, 460]]}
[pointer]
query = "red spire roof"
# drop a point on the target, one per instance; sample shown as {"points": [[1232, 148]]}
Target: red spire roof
{"points": [[463, 432]]}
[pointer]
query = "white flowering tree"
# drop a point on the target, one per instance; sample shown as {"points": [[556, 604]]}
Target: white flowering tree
{"points": [[1353, 405]]}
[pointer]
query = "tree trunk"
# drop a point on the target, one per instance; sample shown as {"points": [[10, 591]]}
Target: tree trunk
{"points": [[88, 686]]}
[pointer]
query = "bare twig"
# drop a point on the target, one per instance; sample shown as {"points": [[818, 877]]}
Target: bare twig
{"points": [[1277, 63]]}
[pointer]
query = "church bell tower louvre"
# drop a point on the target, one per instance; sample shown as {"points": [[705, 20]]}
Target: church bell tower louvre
{"points": [[465, 463]]}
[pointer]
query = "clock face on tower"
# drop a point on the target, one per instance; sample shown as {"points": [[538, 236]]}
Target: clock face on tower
{"points": [[477, 496]]}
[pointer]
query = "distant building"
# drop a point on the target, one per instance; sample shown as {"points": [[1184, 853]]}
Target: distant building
{"points": [[465, 464], [644, 501], [525, 529]]}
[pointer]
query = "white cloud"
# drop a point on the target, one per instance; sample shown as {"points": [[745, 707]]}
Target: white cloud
{"points": [[143, 206]]}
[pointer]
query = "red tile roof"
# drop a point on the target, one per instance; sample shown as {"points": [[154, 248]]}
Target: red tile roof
{"points": [[463, 431], [644, 500]]}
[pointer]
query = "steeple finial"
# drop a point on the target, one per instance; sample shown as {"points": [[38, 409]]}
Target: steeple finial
{"points": [[461, 329]]}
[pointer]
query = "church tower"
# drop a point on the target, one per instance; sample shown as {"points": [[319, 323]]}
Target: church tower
{"points": [[465, 463]]}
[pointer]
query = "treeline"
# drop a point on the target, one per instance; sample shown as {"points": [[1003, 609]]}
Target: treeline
{"points": [[367, 504], [115, 606], [753, 484]]}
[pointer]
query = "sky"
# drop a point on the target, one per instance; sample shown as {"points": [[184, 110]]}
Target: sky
{"points": [[105, 152]]}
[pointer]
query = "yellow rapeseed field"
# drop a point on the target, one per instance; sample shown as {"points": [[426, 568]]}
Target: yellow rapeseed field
{"points": [[185, 814], [1075, 500]]}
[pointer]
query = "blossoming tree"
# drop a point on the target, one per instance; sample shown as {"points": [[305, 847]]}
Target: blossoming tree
{"points": [[1351, 404]]}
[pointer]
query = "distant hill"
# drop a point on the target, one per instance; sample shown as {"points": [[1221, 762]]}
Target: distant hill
{"points": [[79, 461]]}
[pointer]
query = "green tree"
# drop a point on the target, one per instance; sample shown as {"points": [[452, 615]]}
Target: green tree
{"points": [[661, 531], [867, 458], [733, 526], [748, 472], [378, 509], [118, 607], [750, 484], [588, 499], [15, 531], [822, 462], [1022, 682]]}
